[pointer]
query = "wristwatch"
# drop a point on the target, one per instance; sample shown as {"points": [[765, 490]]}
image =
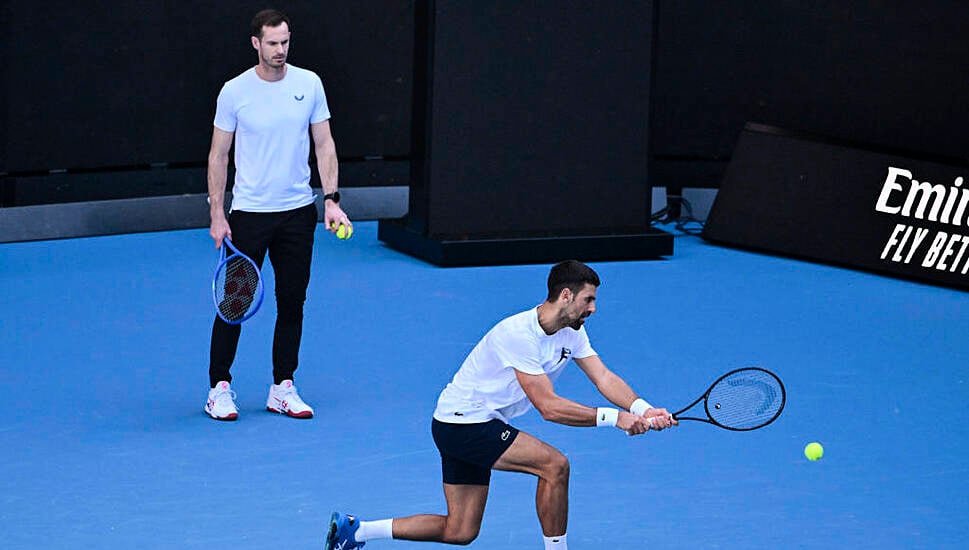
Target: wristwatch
{"points": [[334, 196]]}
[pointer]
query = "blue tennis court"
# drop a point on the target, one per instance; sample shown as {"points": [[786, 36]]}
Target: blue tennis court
{"points": [[104, 354]]}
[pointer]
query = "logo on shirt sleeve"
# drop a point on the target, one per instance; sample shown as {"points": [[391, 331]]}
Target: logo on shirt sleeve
{"points": [[299, 97]]}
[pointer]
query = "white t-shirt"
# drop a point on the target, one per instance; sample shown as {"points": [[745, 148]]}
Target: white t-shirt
{"points": [[486, 387], [272, 140]]}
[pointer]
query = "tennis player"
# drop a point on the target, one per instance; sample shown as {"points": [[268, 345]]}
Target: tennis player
{"points": [[270, 110], [511, 369]]}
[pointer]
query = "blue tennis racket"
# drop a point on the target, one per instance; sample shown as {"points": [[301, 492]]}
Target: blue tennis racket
{"points": [[237, 285]]}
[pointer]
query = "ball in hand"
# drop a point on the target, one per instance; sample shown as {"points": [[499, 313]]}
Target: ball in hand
{"points": [[343, 232], [814, 451]]}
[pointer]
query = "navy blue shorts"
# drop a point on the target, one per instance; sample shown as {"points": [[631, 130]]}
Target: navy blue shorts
{"points": [[468, 451]]}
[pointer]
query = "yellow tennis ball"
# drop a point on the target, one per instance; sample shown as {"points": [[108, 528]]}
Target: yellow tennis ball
{"points": [[343, 232], [813, 451]]}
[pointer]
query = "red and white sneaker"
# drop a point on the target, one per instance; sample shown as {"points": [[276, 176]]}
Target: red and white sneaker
{"points": [[284, 399], [221, 404]]}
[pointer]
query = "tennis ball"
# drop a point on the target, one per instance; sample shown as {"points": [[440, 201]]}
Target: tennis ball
{"points": [[343, 232], [813, 451]]}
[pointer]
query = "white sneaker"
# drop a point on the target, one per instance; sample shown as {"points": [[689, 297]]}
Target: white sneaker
{"points": [[283, 399], [221, 404]]}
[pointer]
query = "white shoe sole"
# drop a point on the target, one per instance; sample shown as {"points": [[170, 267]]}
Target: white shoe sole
{"points": [[227, 418], [291, 414]]}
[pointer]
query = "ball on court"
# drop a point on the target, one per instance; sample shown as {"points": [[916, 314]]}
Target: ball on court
{"points": [[813, 451], [343, 232]]}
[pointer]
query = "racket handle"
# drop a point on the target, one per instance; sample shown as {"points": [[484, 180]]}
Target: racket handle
{"points": [[650, 420]]}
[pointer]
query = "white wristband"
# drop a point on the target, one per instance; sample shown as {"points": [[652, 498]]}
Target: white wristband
{"points": [[639, 407], [606, 416]]}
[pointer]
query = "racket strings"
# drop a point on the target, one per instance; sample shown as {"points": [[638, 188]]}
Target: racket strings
{"points": [[236, 287], [746, 400]]}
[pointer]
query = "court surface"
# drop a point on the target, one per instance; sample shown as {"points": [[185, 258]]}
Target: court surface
{"points": [[103, 366]]}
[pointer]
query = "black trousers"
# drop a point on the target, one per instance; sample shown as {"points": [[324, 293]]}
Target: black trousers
{"points": [[288, 239]]}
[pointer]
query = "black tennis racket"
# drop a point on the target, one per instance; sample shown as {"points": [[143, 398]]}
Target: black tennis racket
{"points": [[741, 400], [236, 286]]}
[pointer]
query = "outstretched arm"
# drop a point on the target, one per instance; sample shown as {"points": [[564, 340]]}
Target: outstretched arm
{"points": [[618, 392], [613, 388], [538, 388]]}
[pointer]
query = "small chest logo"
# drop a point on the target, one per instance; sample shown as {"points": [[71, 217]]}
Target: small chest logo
{"points": [[564, 355], [299, 97]]}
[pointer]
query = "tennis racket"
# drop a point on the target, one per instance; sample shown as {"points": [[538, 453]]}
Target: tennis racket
{"points": [[741, 400], [236, 286]]}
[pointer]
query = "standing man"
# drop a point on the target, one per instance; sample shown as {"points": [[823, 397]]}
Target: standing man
{"points": [[511, 369], [270, 111]]}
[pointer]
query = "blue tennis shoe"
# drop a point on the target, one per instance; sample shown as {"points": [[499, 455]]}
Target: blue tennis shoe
{"points": [[342, 529]]}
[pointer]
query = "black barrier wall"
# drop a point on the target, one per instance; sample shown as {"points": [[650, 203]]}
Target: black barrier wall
{"points": [[530, 134], [90, 88], [884, 73], [125, 83], [533, 120]]}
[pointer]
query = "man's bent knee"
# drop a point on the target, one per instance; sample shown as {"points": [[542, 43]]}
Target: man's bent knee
{"points": [[558, 467], [461, 538]]}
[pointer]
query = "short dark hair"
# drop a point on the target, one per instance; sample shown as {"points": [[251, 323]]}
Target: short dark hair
{"points": [[268, 18], [571, 274]]}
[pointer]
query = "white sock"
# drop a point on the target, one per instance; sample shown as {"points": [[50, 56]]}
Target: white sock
{"points": [[369, 530], [556, 543]]}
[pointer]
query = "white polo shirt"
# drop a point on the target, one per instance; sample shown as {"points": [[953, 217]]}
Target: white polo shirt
{"points": [[272, 141], [486, 387]]}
